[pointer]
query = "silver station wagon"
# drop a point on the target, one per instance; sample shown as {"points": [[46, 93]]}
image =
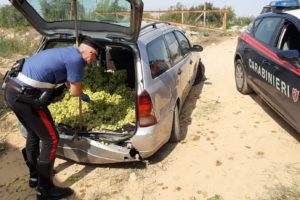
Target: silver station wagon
{"points": [[161, 66]]}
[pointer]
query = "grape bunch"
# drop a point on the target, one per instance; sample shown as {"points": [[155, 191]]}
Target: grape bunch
{"points": [[112, 102]]}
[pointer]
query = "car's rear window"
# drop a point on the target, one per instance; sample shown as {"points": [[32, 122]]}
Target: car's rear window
{"points": [[110, 11]]}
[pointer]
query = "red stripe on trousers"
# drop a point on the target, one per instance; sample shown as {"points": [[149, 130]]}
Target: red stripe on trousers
{"points": [[52, 132]]}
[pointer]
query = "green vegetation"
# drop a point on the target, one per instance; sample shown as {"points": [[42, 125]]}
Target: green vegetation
{"points": [[9, 47], [283, 192], [56, 10], [11, 18], [213, 20], [216, 197], [242, 21], [112, 104]]}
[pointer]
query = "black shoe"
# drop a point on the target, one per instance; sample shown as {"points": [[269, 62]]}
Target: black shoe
{"points": [[33, 182], [53, 192], [46, 189]]}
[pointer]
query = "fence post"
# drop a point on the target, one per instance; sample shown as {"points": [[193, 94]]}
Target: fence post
{"points": [[225, 21], [204, 16], [182, 15]]}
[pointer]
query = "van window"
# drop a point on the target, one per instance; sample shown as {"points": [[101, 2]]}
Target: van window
{"points": [[159, 60], [266, 29], [174, 47], [183, 42]]}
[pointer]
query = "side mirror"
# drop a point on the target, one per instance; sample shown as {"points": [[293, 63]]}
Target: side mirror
{"points": [[290, 55], [197, 48]]}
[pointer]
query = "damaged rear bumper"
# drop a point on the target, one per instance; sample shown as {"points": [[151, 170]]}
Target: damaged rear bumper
{"points": [[86, 150]]}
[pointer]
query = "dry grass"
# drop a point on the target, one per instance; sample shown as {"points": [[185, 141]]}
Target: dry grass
{"points": [[282, 192]]}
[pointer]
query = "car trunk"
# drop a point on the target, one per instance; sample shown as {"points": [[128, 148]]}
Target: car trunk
{"points": [[101, 145]]}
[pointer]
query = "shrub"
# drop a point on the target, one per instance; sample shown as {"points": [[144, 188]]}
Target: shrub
{"points": [[11, 17], [8, 47]]}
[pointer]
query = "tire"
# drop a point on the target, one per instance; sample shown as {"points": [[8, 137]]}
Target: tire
{"points": [[241, 78], [200, 76], [176, 132]]}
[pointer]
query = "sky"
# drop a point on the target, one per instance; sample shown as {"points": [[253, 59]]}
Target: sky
{"points": [[243, 8]]}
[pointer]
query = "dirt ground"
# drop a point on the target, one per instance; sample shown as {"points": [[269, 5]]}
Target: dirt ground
{"points": [[235, 147]]}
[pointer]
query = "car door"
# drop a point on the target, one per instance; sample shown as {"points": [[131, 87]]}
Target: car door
{"points": [[258, 57], [190, 58], [97, 18], [180, 65], [163, 82], [287, 72]]}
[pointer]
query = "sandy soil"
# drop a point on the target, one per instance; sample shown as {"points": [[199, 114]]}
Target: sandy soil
{"points": [[235, 146]]}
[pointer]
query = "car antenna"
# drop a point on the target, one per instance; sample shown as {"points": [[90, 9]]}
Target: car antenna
{"points": [[74, 8]]}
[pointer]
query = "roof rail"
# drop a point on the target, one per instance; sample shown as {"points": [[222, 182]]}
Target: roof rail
{"points": [[154, 25]]}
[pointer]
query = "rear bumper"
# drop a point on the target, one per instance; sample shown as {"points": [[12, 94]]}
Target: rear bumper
{"points": [[85, 150], [143, 144]]}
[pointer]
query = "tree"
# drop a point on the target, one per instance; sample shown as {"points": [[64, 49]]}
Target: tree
{"points": [[11, 18], [174, 17], [53, 10], [214, 19], [110, 6]]}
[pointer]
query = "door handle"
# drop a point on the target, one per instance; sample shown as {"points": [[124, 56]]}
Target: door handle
{"points": [[179, 71], [266, 62]]}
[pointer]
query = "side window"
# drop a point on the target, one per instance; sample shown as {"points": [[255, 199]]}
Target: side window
{"points": [[58, 44], [256, 23], [183, 42], [174, 47], [158, 56], [289, 38], [266, 29]]}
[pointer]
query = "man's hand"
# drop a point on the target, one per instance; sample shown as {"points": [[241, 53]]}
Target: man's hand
{"points": [[86, 98]]}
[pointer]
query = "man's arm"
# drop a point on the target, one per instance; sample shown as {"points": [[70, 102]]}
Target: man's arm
{"points": [[76, 89]]}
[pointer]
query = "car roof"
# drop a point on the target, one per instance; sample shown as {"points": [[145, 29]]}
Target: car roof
{"points": [[153, 30], [295, 13]]}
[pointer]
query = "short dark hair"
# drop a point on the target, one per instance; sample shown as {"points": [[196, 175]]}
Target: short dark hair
{"points": [[91, 42]]}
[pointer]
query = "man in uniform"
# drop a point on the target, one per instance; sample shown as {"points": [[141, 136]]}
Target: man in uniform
{"points": [[26, 95]]}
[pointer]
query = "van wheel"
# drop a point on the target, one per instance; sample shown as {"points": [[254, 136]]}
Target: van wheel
{"points": [[200, 76], [241, 78], [176, 132]]}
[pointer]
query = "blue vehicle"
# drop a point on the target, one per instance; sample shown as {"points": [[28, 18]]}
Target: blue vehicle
{"points": [[267, 59]]}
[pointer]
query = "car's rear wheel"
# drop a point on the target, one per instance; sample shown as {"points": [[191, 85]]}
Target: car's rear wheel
{"points": [[176, 132], [241, 78]]}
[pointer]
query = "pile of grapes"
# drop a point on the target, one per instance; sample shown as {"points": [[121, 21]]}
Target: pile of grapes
{"points": [[111, 107]]}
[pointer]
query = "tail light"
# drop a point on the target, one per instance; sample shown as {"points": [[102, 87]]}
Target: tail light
{"points": [[145, 110]]}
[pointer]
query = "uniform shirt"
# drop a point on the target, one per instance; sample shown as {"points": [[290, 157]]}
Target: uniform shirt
{"points": [[56, 65]]}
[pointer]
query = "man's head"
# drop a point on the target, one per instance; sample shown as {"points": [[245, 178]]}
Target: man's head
{"points": [[89, 49]]}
